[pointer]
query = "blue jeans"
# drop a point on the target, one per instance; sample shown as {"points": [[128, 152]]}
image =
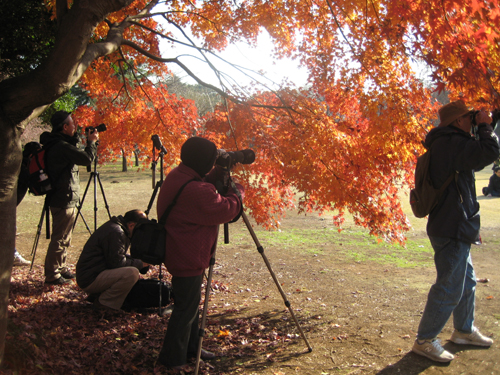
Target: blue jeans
{"points": [[454, 290]]}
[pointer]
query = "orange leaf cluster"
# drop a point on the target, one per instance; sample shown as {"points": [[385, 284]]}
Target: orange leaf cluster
{"points": [[345, 144]]}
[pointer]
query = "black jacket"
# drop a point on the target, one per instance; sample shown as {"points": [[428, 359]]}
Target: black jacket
{"points": [[63, 159], [105, 249], [494, 185], [457, 213]]}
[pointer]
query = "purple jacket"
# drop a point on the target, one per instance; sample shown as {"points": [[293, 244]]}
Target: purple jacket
{"points": [[193, 222]]}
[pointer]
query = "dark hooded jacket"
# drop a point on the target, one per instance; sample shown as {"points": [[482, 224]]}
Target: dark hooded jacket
{"points": [[63, 159], [106, 249], [457, 213], [494, 185]]}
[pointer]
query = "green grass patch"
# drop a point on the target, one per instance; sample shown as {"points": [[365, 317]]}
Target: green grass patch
{"points": [[347, 246]]}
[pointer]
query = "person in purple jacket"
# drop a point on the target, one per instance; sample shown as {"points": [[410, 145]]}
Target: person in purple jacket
{"points": [[192, 230]]}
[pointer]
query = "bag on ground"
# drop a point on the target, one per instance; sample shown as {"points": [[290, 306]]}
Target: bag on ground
{"points": [[146, 293]]}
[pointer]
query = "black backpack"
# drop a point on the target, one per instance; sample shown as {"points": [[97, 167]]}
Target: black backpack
{"points": [[149, 236], [424, 197]]}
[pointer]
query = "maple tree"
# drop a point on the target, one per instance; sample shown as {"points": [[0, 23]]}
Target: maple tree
{"points": [[345, 143]]}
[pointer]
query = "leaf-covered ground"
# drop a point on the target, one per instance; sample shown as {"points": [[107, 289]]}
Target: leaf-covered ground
{"points": [[358, 302]]}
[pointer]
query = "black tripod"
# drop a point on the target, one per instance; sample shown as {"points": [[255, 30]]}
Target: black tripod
{"points": [[156, 186], [157, 145], [94, 176], [260, 248], [45, 212]]}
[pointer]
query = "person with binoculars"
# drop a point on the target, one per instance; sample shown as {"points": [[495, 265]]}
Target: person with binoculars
{"points": [[192, 230], [62, 160], [453, 225]]}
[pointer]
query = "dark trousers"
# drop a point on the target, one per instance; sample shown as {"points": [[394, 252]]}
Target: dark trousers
{"points": [[182, 337]]}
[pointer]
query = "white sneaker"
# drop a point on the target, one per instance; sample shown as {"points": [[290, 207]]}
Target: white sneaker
{"points": [[432, 349], [20, 261], [474, 338]]}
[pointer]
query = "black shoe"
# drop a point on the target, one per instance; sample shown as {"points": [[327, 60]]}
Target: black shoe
{"points": [[205, 355], [68, 274], [59, 281]]}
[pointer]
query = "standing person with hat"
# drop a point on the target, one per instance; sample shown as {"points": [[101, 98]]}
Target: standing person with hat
{"points": [[453, 226], [192, 229], [62, 159]]}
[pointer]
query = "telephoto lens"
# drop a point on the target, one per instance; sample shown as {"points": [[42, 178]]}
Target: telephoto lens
{"points": [[230, 158]]}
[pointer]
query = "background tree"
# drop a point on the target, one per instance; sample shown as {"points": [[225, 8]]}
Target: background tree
{"points": [[343, 144]]}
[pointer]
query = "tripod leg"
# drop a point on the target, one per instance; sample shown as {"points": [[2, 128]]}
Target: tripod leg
{"points": [[287, 303], [47, 220], [79, 212], [153, 196], [103, 196], [37, 236], [95, 201], [159, 306], [205, 308], [83, 219]]}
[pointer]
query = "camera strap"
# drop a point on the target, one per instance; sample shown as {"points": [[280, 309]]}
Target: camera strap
{"points": [[164, 217]]}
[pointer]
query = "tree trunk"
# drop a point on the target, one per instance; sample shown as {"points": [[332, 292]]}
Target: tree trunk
{"points": [[136, 154], [10, 162], [124, 161], [25, 97]]}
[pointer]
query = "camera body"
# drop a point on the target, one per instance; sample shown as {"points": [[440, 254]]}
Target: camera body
{"points": [[100, 128], [473, 114]]}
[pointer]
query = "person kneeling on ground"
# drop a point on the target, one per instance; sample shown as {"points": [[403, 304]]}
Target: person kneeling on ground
{"points": [[493, 189], [104, 268], [192, 229]]}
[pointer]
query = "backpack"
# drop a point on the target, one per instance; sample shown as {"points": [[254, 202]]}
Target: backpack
{"points": [[148, 240], [424, 197], [30, 155], [39, 181]]}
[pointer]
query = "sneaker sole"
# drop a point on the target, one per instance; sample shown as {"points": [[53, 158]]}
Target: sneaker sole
{"points": [[422, 353], [469, 342]]}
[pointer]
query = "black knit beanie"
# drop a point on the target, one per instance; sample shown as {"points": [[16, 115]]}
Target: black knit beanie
{"points": [[57, 120], [199, 154]]}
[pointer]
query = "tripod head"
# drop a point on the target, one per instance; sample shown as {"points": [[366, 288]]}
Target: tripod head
{"points": [[157, 145]]}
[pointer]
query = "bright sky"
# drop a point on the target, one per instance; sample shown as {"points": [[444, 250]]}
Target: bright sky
{"points": [[257, 59]]}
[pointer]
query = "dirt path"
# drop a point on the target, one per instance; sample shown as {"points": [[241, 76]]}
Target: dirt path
{"points": [[359, 317]]}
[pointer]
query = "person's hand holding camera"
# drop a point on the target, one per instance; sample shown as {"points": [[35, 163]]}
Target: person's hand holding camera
{"points": [[93, 136], [482, 117]]}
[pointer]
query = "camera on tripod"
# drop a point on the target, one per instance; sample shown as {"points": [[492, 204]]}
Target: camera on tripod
{"points": [[157, 144], [227, 159], [91, 129]]}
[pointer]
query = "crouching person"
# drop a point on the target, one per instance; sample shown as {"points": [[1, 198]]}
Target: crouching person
{"points": [[104, 269]]}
